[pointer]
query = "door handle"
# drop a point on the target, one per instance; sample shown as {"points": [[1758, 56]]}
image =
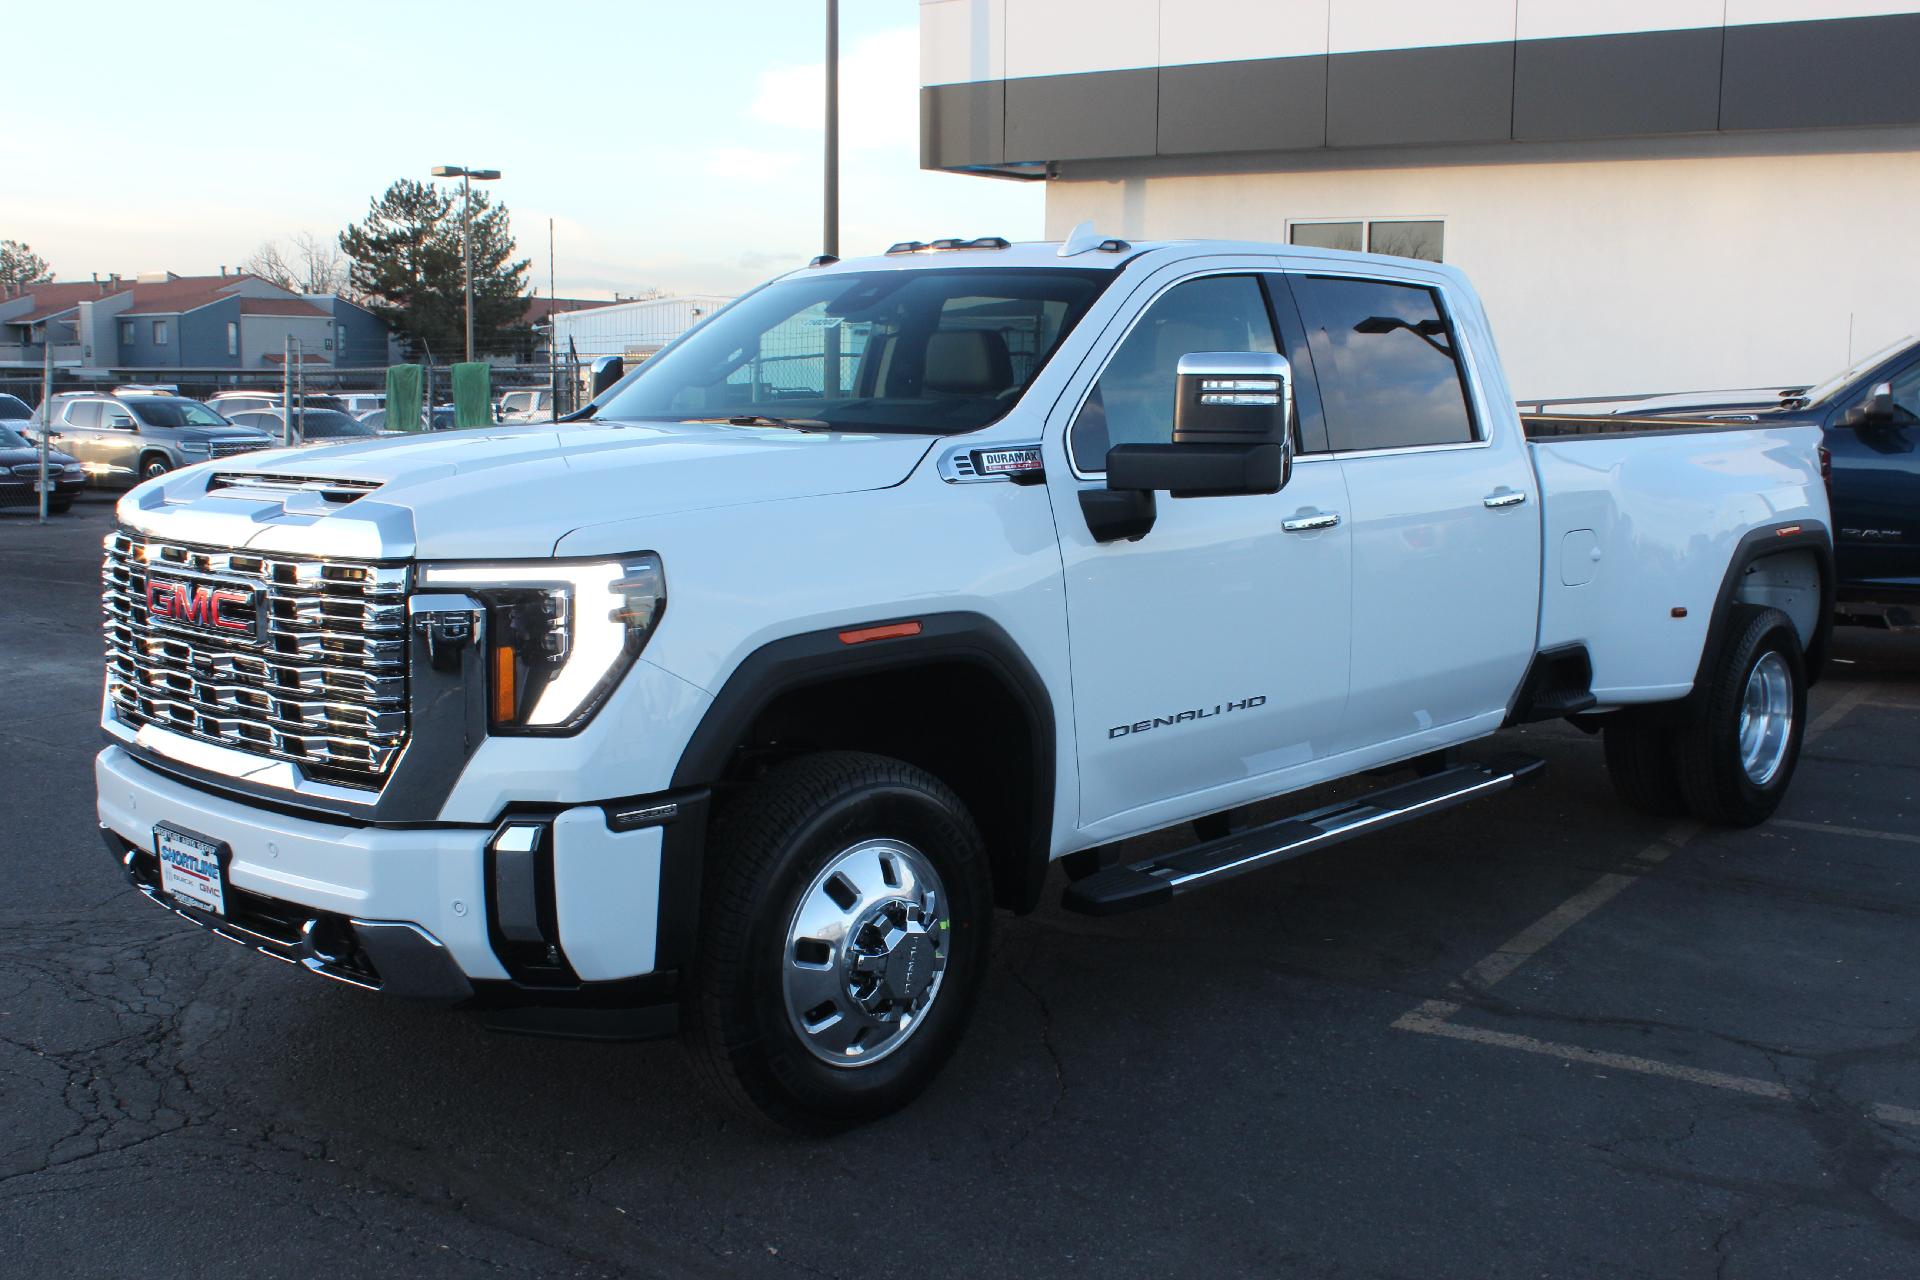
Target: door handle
{"points": [[1504, 497], [1311, 520]]}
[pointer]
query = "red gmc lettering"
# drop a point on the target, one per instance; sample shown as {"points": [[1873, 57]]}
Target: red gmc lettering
{"points": [[195, 606]]}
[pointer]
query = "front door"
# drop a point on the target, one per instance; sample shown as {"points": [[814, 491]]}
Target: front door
{"points": [[1876, 495], [1213, 651], [118, 441]]}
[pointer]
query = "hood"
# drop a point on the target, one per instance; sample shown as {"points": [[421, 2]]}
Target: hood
{"points": [[501, 491], [11, 457]]}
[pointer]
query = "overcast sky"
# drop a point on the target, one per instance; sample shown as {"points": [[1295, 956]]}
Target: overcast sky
{"points": [[674, 144]]}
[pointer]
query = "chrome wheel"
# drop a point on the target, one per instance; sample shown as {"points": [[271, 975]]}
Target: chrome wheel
{"points": [[866, 952], [1766, 718]]}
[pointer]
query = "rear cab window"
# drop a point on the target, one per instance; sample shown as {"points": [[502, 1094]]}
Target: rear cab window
{"points": [[1387, 362]]}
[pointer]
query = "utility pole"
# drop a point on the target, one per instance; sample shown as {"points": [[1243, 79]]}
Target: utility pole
{"points": [[46, 422], [286, 396], [553, 332], [297, 411], [830, 240]]}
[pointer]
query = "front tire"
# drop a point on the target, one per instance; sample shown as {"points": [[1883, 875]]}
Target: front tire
{"points": [[844, 937], [1740, 741], [154, 466]]}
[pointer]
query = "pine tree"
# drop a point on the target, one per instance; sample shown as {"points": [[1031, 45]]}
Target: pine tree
{"points": [[406, 268]]}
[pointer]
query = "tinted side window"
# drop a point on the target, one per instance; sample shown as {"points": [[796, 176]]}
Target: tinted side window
{"points": [[1906, 394], [1387, 364], [84, 413], [1132, 403]]}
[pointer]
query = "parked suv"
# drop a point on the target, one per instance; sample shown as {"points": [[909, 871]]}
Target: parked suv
{"points": [[124, 439]]}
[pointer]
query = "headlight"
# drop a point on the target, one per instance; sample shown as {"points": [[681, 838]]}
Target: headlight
{"points": [[194, 446], [560, 634]]}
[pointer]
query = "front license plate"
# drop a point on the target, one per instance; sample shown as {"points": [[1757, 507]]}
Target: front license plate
{"points": [[192, 869]]}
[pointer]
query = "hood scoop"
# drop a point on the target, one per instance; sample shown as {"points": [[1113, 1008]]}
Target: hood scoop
{"points": [[311, 494]]}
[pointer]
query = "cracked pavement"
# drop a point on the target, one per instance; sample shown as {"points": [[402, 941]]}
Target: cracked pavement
{"points": [[1210, 1088]]}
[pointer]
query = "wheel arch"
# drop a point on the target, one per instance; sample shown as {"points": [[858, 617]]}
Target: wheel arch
{"points": [[1771, 566], [817, 691]]}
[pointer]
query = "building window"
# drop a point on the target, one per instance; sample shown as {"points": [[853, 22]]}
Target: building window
{"points": [[126, 333], [159, 333], [1420, 238], [233, 338]]}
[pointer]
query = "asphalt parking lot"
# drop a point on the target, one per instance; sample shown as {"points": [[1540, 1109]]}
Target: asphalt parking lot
{"points": [[1540, 1036]]}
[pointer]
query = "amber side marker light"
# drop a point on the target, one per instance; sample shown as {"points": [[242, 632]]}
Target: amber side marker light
{"points": [[891, 631], [504, 700], [1786, 531], [1679, 611]]}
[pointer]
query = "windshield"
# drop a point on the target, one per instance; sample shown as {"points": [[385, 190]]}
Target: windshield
{"points": [[11, 439], [321, 424], [175, 413], [930, 351], [1838, 382], [14, 408]]}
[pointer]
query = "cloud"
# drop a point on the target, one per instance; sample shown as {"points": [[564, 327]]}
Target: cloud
{"points": [[879, 94]]}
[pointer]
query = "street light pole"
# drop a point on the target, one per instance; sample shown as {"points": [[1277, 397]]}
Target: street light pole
{"points": [[831, 236], [467, 178]]}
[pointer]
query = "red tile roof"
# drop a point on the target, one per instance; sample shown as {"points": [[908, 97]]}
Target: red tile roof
{"points": [[52, 299], [182, 293], [278, 307]]}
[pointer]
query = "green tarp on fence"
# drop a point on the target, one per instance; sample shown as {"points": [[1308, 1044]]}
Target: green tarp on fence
{"points": [[403, 397], [472, 394]]}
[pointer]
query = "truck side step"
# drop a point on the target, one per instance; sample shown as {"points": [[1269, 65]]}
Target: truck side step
{"points": [[1161, 878]]}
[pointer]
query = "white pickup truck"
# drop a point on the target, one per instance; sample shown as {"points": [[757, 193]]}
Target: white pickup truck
{"points": [[736, 705]]}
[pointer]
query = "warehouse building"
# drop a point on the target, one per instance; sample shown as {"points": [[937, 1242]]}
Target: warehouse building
{"points": [[1651, 195], [633, 330]]}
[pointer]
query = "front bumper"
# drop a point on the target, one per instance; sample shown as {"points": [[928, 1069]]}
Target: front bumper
{"points": [[411, 911]]}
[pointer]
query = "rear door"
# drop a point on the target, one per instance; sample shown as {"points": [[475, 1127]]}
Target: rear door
{"points": [[1446, 520], [1211, 654], [79, 428]]}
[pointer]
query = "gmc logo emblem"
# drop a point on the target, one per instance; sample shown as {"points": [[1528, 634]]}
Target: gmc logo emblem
{"points": [[194, 606]]}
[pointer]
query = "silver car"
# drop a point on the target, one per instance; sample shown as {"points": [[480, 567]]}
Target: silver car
{"points": [[124, 439]]}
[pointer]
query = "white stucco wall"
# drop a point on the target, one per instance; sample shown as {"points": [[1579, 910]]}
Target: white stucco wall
{"points": [[1608, 268]]}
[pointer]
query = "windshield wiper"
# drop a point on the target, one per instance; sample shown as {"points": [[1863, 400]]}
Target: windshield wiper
{"points": [[764, 420]]}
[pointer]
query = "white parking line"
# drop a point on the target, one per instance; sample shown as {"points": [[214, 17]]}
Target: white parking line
{"points": [[1433, 1017], [1864, 833]]}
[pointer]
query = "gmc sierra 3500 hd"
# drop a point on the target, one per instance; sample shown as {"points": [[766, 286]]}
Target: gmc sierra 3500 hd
{"points": [[737, 704]]}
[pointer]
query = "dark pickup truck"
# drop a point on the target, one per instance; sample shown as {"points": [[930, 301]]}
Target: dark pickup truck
{"points": [[1869, 416]]}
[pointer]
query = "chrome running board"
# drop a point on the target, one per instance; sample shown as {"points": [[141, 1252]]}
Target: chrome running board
{"points": [[1151, 881]]}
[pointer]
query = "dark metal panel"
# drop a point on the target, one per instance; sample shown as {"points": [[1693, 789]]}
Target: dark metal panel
{"points": [[1835, 72], [963, 124], [1097, 116], [1620, 85], [1263, 104], [1452, 93]]}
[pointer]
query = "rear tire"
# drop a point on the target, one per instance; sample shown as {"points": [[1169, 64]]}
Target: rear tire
{"points": [[844, 936], [1642, 762], [1740, 740]]}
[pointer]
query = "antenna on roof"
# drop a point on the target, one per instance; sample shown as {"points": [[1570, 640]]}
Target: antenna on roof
{"points": [[1084, 239]]}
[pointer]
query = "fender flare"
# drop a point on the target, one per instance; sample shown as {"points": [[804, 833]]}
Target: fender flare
{"points": [[818, 657], [1756, 544]]}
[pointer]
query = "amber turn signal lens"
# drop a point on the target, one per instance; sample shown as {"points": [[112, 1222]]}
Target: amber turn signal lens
{"points": [[504, 693]]}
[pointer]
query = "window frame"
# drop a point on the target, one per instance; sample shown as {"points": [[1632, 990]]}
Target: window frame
{"points": [[160, 334], [233, 337], [1256, 273], [129, 333], [1464, 359]]}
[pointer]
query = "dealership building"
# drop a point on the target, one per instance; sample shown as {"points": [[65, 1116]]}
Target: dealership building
{"points": [[1651, 195]]}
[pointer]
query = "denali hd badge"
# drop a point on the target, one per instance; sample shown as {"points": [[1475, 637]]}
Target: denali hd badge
{"points": [[1198, 713]]}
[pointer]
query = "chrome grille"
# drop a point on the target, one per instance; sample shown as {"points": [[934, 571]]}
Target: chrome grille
{"points": [[315, 672], [228, 448]]}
